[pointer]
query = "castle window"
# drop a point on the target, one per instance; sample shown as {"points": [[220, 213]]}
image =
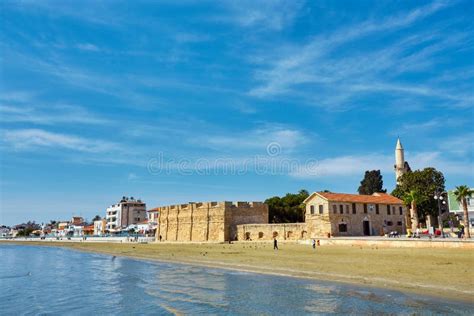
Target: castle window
{"points": [[321, 208], [334, 209], [341, 209], [401, 210], [312, 209], [376, 209], [399, 223], [347, 209], [365, 208], [389, 223], [388, 209], [260, 235], [354, 208], [247, 236], [393, 210], [343, 228]]}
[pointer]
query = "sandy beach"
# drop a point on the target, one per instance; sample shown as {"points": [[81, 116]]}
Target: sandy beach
{"points": [[437, 272]]}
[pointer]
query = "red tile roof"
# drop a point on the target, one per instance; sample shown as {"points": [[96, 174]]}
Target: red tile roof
{"points": [[156, 209], [376, 198]]}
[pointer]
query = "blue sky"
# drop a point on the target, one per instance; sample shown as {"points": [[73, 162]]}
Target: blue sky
{"points": [[233, 100]]}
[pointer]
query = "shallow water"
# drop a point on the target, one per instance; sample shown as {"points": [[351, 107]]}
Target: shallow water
{"points": [[45, 280]]}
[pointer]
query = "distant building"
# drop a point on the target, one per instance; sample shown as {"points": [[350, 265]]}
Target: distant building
{"points": [[100, 227], [153, 220], [77, 220], [456, 207], [125, 213], [4, 231]]}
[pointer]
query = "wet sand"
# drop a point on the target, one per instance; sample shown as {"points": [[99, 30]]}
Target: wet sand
{"points": [[443, 273]]}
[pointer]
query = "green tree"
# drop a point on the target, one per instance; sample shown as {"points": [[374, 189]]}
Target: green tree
{"points": [[412, 199], [287, 209], [371, 183], [426, 182], [462, 193]]}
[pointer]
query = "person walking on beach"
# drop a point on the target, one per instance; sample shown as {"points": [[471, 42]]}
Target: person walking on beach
{"points": [[314, 244], [275, 244]]}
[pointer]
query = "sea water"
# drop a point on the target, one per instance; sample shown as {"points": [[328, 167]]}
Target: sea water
{"points": [[38, 280]]}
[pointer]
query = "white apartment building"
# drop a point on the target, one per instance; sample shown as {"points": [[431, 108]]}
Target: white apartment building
{"points": [[127, 212]]}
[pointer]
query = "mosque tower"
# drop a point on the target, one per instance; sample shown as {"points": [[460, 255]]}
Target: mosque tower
{"points": [[400, 166]]}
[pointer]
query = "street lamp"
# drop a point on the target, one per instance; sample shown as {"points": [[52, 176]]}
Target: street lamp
{"points": [[438, 195]]}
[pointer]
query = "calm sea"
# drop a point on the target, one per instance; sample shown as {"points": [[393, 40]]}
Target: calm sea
{"points": [[44, 280]]}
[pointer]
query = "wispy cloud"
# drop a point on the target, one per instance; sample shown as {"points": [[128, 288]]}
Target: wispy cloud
{"points": [[310, 73], [287, 139], [355, 165], [54, 114], [264, 14], [87, 47], [30, 139]]}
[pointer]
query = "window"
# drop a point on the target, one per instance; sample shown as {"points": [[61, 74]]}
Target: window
{"points": [[399, 223], [401, 210], [334, 209], [393, 210], [343, 228], [376, 208], [321, 208], [388, 209], [260, 235], [347, 209], [341, 209], [389, 223], [365, 208], [312, 209], [354, 208]]}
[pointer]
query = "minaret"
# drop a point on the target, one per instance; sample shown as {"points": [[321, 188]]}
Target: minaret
{"points": [[400, 167]]}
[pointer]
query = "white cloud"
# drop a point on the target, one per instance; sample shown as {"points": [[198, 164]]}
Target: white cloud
{"points": [[263, 14], [287, 139], [88, 47], [48, 115], [337, 80], [28, 139], [354, 165]]}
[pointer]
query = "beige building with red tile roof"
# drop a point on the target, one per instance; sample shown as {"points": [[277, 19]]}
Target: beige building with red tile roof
{"points": [[341, 214], [336, 214]]}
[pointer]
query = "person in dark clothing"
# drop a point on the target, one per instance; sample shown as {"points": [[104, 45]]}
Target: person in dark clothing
{"points": [[160, 237], [275, 244], [314, 243]]}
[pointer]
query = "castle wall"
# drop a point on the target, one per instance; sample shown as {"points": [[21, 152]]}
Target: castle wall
{"points": [[210, 221], [239, 213], [256, 232]]}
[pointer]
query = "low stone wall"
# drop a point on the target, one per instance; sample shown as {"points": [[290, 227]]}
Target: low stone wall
{"points": [[262, 232], [394, 242]]}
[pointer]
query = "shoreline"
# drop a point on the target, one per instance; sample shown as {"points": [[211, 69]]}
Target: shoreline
{"points": [[444, 291]]}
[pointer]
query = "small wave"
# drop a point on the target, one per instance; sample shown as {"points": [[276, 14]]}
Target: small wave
{"points": [[15, 276]]}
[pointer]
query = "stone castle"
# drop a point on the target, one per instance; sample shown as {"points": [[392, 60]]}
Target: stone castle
{"points": [[209, 221]]}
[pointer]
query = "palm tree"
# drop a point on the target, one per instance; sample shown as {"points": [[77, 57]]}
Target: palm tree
{"points": [[411, 199], [462, 192]]}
